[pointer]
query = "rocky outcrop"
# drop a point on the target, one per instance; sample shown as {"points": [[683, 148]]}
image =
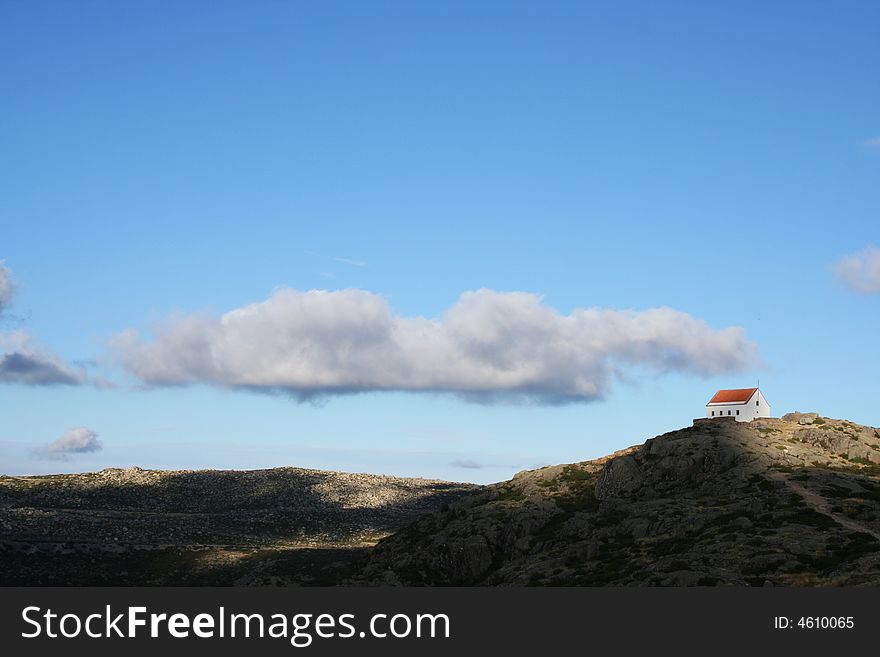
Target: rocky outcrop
{"points": [[792, 501]]}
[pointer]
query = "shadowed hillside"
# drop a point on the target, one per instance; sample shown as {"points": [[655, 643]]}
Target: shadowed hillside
{"points": [[134, 526]]}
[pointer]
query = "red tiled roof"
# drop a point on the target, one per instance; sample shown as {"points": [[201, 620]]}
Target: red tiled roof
{"points": [[738, 396]]}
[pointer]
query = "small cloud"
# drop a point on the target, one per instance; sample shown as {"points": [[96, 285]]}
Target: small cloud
{"points": [[6, 286], [860, 271], [78, 440], [467, 463], [873, 143], [349, 261], [22, 363], [34, 370]]}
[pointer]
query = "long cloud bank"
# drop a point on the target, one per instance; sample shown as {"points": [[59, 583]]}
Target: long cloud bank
{"points": [[488, 347]]}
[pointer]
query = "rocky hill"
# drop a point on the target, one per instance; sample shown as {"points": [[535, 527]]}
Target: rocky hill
{"points": [[791, 501], [133, 526]]}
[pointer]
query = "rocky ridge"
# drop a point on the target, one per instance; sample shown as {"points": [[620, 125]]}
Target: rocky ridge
{"points": [[791, 501]]}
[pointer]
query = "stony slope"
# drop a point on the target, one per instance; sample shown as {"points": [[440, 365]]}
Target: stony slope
{"points": [[791, 501], [133, 526]]}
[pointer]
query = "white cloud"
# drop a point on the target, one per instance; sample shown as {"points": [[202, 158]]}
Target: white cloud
{"points": [[78, 440], [469, 464], [488, 347], [6, 286], [349, 261], [860, 271]]}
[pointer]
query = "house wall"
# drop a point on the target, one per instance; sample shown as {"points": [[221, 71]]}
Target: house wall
{"points": [[762, 410], [747, 412]]}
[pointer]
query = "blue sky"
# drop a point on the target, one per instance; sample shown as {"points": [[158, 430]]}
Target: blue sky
{"points": [[165, 159]]}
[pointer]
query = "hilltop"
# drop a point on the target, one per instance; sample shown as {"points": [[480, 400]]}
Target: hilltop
{"points": [[790, 501]]}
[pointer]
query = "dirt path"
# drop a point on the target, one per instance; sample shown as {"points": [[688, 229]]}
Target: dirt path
{"points": [[821, 505]]}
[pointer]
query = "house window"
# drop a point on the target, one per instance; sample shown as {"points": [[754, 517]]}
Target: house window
{"points": [[728, 412], [757, 402], [713, 413], [737, 411]]}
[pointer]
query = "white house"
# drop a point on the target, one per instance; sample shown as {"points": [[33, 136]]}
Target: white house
{"points": [[743, 404]]}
